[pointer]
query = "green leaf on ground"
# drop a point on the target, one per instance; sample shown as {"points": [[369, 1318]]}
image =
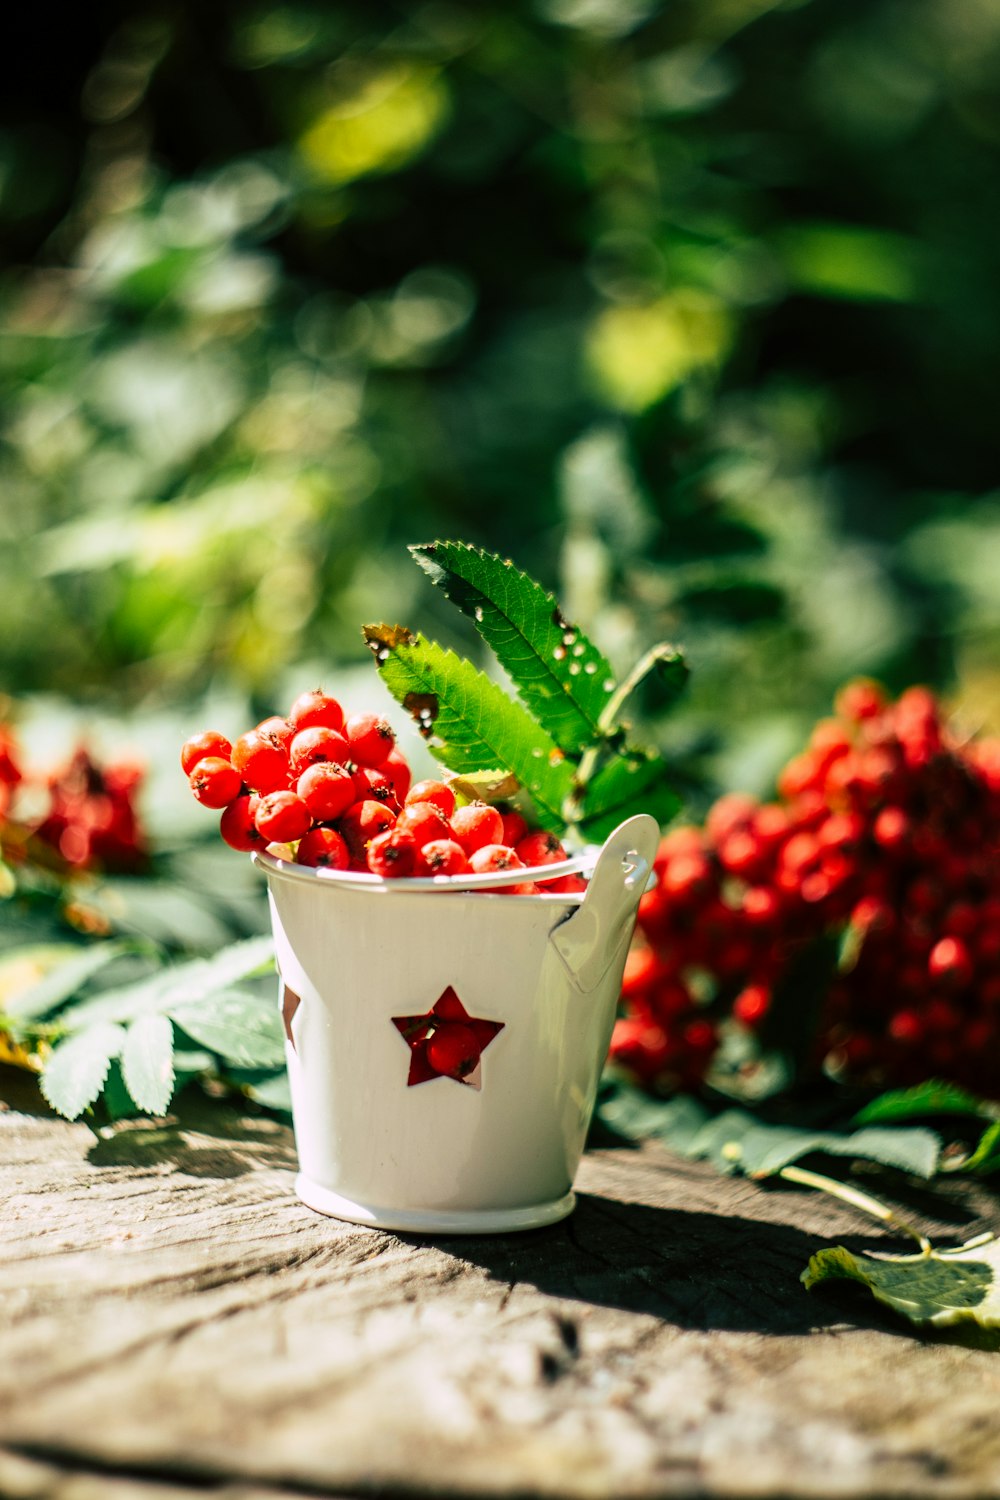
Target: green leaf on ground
{"points": [[737, 1141], [930, 1098], [70, 970], [270, 1089], [633, 782], [243, 1028], [147, 1062], [75, 1071], [468, 721], [938, 1288], [559, 674], [180, 984]]}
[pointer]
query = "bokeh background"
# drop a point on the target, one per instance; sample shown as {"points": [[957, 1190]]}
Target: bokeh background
{"points": [[692, 308]]}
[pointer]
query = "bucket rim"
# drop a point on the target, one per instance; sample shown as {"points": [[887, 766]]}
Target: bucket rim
{"points": [[286, 869]]}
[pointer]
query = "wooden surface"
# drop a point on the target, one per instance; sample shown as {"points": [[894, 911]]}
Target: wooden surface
{"points": [[174, 1323]]}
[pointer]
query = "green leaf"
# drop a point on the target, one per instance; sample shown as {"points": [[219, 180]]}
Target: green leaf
{"points": [[985, 1160], [559, 674], [69, 973], [147, 1062], [468, 720], [242, 1028], [270, 1089], [930, 1098], [177, 985], [75, 1071], [937, 1288], [633, 782], [734, 1140]]}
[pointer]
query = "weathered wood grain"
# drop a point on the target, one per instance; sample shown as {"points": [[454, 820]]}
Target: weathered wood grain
{"points": [[173, 1320]]}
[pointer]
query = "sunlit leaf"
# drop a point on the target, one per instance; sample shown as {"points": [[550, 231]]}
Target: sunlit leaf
{"points": [[147, 1062], [936, 1289], [468, 721], [75, 1070], [242, 1028], [558, 672]]}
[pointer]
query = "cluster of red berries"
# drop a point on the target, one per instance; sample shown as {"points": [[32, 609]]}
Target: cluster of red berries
{"points": [[338, 788], [85, 813], [887, 830]]}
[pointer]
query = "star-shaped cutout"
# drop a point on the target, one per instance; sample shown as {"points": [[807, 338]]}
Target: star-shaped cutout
{"points": [[446, 1042]]}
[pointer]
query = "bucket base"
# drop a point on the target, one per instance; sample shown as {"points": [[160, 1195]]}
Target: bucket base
{"points": [[434, 1221]]}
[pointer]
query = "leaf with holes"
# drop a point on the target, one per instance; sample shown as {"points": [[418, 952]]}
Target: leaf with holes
{"points": [[243, 1028], [468, 721], [75, 1070], [147, 1062], [559, 674], [937, 1288]]}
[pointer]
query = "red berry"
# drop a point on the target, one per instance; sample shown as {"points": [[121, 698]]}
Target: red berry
{"points": [[425, 822], [752, 1004], [860, 700], [492, 858], [453, 1050], [215, 782], [760, 905], [891, 830], [442, 857], [323, 848], [563, 885], [476, 825], [374, 786], [436, 792], [950, 962], [398, 772], [515, 828], [364, 822], [313, 746], [238, 827], [202, 745], [262, 761], [392, 854], [370, 738], [276, 729], [316, 711], [327, 789], [540, 848], [688, 876], [282, 817]]}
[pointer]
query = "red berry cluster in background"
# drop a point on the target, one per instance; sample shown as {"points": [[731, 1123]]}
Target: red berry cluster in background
{"points": [[888, 826], [338, 789], [84, 815]]}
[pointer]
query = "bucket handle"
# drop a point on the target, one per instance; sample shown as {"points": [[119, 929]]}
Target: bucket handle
{"points": [[590, 940]]}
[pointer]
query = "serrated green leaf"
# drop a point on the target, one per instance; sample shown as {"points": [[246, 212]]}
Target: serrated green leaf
{"points": [[468, 720], [67, 974], [938, 1288], [177, 985], [631, 783], [75, 1070], [243, 1028], [147, 1062], [929, 1098], [676, 1122], [559, 674], [734, 1140]]}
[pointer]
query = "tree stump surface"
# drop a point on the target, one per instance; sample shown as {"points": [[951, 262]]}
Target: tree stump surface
{"points": [[175, 1323]]}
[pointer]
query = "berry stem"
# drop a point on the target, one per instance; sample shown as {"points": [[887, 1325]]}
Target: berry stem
{"points": [[857, 1199]]}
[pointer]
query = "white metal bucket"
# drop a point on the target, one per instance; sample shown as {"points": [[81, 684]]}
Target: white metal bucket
{"points": [[363, 960]]}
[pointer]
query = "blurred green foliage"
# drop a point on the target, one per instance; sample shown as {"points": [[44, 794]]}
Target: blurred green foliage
{"points": [[691, 308]]}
